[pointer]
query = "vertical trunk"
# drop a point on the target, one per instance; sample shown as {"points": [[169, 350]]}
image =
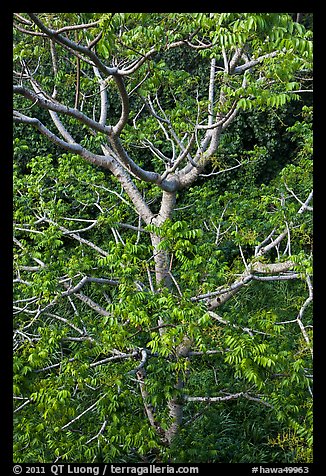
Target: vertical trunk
{"points": [[176, 413], [163, 279], [161, 257], [177, 402], [162, 264]]}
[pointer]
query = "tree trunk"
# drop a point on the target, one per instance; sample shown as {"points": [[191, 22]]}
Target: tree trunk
{"points": [[161, 257], [176, 413], [164, 280], [162, 264]]}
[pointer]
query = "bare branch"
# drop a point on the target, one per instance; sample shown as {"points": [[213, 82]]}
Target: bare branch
{"points": [[120, 356], [62, 319], [141, 374], [83, 413], [250, 64], [55, 106], [99, 433], [211, 93], [223, 294], [142, 362], [22, 406], [71, 234], [226, 398], [74, 47], [305, 204]]}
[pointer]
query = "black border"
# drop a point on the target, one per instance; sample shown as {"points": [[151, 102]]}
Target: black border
{"points": [[6, 450]]}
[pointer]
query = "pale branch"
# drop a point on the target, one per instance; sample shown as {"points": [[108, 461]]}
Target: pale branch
{"points": [[83, 413], [53, 366], [180, 159], [141, 364], [73, 306], [220, 122], [150, 281], [131, 227], [195, 353], [129, 164], [235, 59], [137, 63], [29, 32], [226, 61], [223, 290], [104, 97], [124, 105], [186, 42], [54, 105], [175, 283], [84, 220], [80, 26], [37, 260], [150, 108], [73, 47], [300, 91], [133, 193], [101, 430], [54, 58], [266, 240], [269, 268], [92, 304], [87, 279], [250, 64], [222, 171], [63, 319], [22, 406], [168, 202], [94, 223], [141, 375], [26, 337], [305, 204], [92, 43], [280, 277], [211, 89], [302, 327], [224, 293], [96, 62], [89, 184], [89, 302], [29, 230], [22, 20], [227, 398], [147, 143], [100, 160], [77, 91], [21, 281], [301, 312], [114, 358], [228, 323], [261, 250], [218, 228], [75, 236]]}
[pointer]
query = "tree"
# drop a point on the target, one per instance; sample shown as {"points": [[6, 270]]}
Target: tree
{"points": [[136, 268]]}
